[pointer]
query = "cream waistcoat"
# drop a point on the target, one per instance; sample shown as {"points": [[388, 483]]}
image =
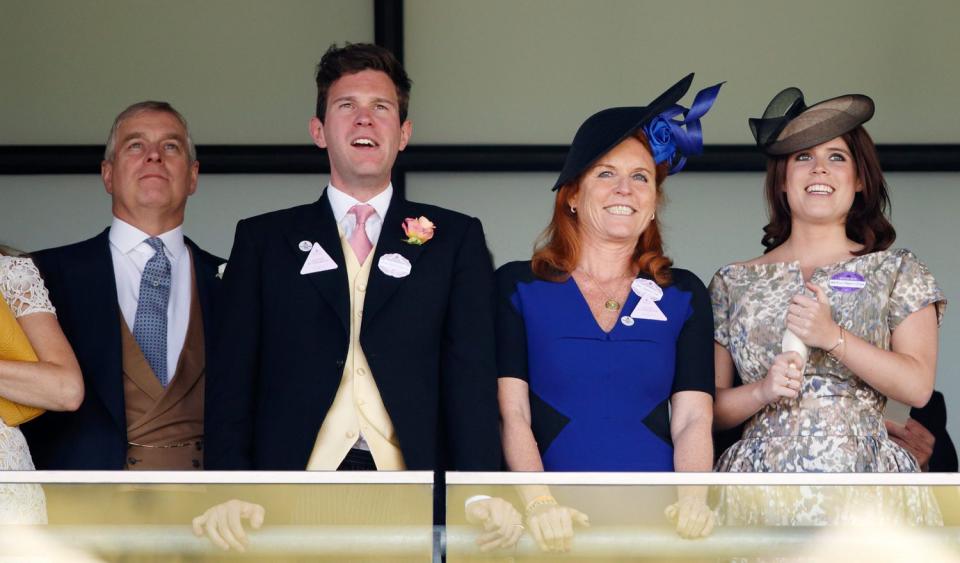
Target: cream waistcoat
{"points": [[357, 406]]}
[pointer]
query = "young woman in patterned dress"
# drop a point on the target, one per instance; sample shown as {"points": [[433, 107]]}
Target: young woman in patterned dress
{"points": [[864, 322]]}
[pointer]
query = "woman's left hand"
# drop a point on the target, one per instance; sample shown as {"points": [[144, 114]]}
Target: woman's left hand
{"points": [[692, 516], [502, 524], [812, 319]]}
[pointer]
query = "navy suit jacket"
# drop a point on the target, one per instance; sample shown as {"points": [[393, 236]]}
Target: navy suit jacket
{"points": [[83, 289], [428, 338]]}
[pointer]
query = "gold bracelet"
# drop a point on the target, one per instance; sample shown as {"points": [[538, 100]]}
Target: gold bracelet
{"points": [[542, 500], [842, 344], [840, 341], [843, 347]]}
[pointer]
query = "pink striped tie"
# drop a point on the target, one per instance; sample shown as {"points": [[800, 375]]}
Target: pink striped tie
{"points": [[359, 241]]}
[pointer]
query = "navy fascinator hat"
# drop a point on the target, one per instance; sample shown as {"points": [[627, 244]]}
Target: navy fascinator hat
{"points": [[671, 139]]}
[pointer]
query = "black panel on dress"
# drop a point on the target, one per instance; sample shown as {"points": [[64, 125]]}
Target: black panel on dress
{"points": [[658, 421], [547, 422]]}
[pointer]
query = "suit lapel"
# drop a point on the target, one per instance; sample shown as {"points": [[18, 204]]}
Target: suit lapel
{"points": [[94, 285], [205, 274], [321, 227], [380, 286]]}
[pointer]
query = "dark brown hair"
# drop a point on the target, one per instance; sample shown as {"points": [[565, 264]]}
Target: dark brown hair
{"points": [[867, 221], [357, 57], [558, 249]]}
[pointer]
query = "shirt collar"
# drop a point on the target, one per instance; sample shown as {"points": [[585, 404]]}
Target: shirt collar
{"points": [[341, 202], [126, 237]]}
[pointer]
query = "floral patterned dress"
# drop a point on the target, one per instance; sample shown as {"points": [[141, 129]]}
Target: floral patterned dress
{"points": [[836, 425], [23, 290]]}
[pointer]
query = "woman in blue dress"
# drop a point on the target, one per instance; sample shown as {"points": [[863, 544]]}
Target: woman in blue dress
{"points": [[604, 351]]}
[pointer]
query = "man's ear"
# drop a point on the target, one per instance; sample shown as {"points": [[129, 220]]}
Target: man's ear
{"points": [[406, 129], [106, 173], [316, 132], [194, 173]]}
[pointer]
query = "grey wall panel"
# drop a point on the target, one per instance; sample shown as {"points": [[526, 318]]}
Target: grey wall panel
{"points": [[529, 71], [240, 70]]}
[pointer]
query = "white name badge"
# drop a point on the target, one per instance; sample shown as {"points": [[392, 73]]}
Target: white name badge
{"points": [[317, 261], [305, 245], [647, 288], [647, 309], [394, 265]]}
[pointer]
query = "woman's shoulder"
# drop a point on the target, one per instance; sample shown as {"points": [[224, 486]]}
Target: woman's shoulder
{"points": [[517, 267], [513, 272], [510, 274], [686, 280], [22, 286], [898, 255], [893, 261], [17, 266], [751, 267]]}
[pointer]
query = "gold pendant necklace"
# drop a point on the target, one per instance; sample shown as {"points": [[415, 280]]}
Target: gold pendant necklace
{"points": [[610, 304]]}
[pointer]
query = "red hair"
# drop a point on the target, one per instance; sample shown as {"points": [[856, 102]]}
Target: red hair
{"points": [[557, 251]]}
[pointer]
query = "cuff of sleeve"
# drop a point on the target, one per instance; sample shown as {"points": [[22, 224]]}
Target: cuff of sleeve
{"points": [[474, 499]]}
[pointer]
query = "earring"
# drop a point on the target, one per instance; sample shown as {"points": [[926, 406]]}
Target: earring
{"points": [[573, 210], [654, 216]]}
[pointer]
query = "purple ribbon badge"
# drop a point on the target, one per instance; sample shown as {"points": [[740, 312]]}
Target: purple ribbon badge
{"points": [[847, 282]]}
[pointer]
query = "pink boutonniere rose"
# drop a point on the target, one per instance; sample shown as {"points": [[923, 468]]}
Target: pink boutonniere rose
{"points": [[418, 230]]}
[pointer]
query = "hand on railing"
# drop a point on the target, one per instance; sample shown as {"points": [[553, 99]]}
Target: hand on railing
{"points": [[501, 523], [692, 517], [551, 525], [223, 523]]}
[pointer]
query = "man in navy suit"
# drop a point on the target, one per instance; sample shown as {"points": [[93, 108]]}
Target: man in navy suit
{"points": [[358, 329], [136, 303]]}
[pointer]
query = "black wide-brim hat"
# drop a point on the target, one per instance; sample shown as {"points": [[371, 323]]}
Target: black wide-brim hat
{"points": [[606, 129], [788, 125]]}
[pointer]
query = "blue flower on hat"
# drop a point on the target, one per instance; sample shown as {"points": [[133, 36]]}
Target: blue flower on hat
{"points": [[660, 135], [675, 134]]}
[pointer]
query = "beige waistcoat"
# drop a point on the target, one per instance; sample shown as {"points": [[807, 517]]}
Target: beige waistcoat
{"points": [[357, 406]]}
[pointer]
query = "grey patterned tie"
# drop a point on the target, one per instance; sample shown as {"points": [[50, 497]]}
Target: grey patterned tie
{"points": [[150, 325]]}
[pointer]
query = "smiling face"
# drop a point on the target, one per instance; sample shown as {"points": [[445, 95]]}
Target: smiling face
{"points": [[150, 174], [361, 131], [617, 196], [821, 182]]}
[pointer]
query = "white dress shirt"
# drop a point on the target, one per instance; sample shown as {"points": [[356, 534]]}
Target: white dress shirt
{"points": [[341, 203], [130, 254]]}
